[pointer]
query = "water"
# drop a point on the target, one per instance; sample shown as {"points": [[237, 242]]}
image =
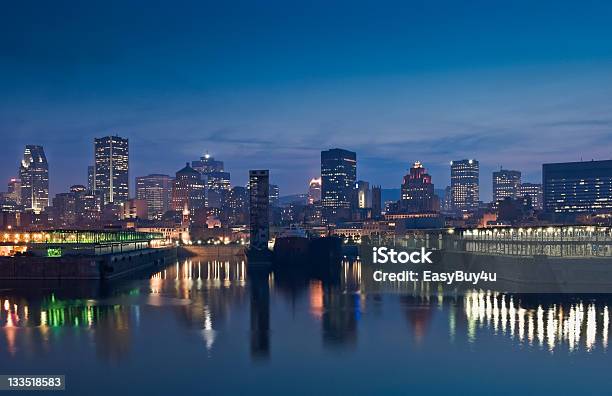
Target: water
{"points": [[211, 328]]}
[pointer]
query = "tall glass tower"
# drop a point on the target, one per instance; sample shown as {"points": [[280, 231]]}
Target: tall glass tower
{"points": [[338, 176], [465, 185], [111, 164], [34, 175]]}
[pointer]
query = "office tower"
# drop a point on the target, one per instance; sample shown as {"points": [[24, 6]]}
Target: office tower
{"points": [[91, 175], [14, 191], [259, 201], [156, 191], [506, 184], [274, 194], [464, 185], [187, 190], [314, 190], [417, 191], [207, 164], [534, 192], [217, 188], [217, 181], [34, 176], [111, 166], [64, 209], [577, 187], [338, 176], [376, 201], [364, 199], [237, 205], [87, 208]]}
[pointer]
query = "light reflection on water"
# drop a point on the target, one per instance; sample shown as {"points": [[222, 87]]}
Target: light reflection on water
{"points": [[575, 325], [224, 305]]}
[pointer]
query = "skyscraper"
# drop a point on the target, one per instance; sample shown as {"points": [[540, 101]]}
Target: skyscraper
{"points": [[111, 162], [156, 191], [218, 182], [418, 191], [34, 175], [465, 185], [338, 176], [259, 201], [187, 190], [577, 187], [534, 192], [506, 184]]}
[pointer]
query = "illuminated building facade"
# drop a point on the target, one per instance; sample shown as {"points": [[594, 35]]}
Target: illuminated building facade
{"points": [[338, 176], [237, 205], [156, 191], [465, 185], [417, 192], [274, 194], [534, 192], [188, 190], [111, 167], [34, 176], [314, 190], [259, 204], [506, 184], [364, 198], [218, 182], [578, 187]]}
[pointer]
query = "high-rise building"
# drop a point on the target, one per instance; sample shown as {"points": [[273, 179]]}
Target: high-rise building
{"points": [[376, 202], [577, 187], [314, 190], [207, 164], [156, 191], [91, 175], [14, 191], [364, 198], [274, 194], [534, 192], [34, 176], [218, 182], [64, 209], [506, 184], [338, 176], [259, 201], [464, 185], [111, 162], [417, 192], [238, 205], [188, 190]]}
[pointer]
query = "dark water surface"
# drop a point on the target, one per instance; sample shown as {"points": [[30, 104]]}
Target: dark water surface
{"points": [[210, 328]]}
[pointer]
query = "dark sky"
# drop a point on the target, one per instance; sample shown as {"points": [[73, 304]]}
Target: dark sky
{"points": [[268, 84]]}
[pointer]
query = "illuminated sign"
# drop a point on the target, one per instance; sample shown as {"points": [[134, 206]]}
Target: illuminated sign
{"points": [[54, 252]]}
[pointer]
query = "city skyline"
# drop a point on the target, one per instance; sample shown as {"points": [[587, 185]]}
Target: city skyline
{"points": [[496, 84]]}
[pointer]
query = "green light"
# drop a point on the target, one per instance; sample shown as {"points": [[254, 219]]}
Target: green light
{"points": [[54, 252]]}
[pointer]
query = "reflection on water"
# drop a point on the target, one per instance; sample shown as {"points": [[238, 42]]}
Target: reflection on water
{"points": [[576, 325], [226, 305], [206, 292]]}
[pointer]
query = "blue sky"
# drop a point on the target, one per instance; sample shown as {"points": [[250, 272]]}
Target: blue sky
{"points": [[268, 84]]}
